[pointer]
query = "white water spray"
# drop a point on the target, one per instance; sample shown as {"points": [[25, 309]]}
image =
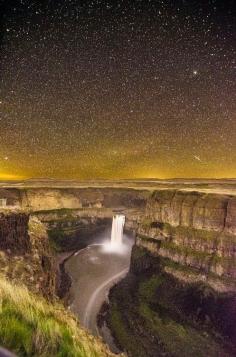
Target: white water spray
{"points": [[118, 223], [115, 245]]}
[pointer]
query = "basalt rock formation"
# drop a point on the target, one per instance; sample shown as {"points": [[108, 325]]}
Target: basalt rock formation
{"points": [[195, 230], [179, 298], [25, 253], [72, 229], [14, 232], [37, 199]]}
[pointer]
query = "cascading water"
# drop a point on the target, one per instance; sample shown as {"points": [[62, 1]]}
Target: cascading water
{"points": [[116, 245], [118, 223]]}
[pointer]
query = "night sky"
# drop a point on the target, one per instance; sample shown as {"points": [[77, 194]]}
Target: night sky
{"points": [[117, 89]]}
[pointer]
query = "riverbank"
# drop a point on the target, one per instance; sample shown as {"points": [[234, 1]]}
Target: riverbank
{"points": [[63, 280], [62, 253], [32, 319], [93, 271]]}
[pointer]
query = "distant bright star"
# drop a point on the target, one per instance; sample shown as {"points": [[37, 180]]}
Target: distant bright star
{"points": [[197, 158]]}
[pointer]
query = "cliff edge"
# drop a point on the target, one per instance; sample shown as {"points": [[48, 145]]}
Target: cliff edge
{"points": [[179, 298]]}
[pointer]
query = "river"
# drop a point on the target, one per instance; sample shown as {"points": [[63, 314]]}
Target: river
{"points": [[94, 270]]}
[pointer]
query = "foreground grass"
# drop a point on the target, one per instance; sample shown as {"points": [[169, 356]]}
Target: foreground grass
{"points": [[30, 326]]}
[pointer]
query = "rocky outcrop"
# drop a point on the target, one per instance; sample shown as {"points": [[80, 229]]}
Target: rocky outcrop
{"points": [[42, 259], [72, 229], [14, 235], [25, 253], [49, 199], [179, 298], [193, 209], [193, 229]]}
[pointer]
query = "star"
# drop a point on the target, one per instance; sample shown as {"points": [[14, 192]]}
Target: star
{"points": [[197, 158], [137, 89]]}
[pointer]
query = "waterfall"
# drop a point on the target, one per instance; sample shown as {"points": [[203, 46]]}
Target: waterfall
{"points": [[117, 230]]}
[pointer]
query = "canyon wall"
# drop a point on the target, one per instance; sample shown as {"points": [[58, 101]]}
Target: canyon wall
{"points": [[37, 223], [75, 198], [214, 212], [25, 253], [179, 297], [70, 230], [29, 324], [194, 230], [14, 235]]}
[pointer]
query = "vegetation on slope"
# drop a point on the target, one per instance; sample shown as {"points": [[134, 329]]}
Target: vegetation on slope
{"points": [[31, 326], [166, 317]]}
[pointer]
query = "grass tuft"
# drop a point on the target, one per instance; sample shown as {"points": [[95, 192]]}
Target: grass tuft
{"points": [[31, 326]]}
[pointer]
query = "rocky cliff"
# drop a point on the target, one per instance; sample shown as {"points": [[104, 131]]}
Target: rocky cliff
{"points": [[14, 235], [179, 298], [214, 212], [49, 199], [72, 229], [31, 325], [194, 230], [25, 253]]}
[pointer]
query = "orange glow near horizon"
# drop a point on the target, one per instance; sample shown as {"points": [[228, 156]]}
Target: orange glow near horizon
{"points": [[117, 92]]}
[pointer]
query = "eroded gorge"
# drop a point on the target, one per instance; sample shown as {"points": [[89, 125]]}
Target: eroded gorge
{"points": [[179, 295]]}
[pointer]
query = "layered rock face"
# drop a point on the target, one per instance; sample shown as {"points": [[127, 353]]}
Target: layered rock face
{"points": [[193, 209], [14, 232], [50, 199], [25, 253], [193, 229], [73, 230], [179, 298]]}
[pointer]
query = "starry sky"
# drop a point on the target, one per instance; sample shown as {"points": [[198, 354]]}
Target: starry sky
{"points": [[117, 89]]}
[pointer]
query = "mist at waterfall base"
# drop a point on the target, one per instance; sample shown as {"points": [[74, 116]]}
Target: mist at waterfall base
{"points": [[117, 244], [94, 270]]}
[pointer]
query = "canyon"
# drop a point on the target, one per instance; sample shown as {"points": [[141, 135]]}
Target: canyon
{"points": [[179, 295]]}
